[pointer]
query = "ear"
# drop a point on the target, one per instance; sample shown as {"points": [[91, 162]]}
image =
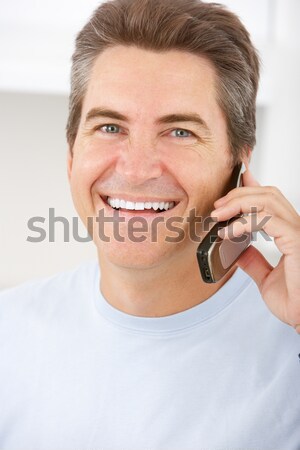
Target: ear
{"points": [[69, 163]]}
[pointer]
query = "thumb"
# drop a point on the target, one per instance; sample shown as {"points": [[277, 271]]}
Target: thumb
{"points": [[255, 265]]}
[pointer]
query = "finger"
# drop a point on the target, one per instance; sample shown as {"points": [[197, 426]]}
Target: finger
{"points": [[286, 236], [274, 197], [255, 265], [238, 192], [263, 203], [245, 224]]}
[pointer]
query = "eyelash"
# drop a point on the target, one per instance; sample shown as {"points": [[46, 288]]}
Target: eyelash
{"points": [[174, 129]]}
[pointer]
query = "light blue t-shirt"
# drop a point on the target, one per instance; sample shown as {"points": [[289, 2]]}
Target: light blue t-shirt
{"points": [[78, 374]]}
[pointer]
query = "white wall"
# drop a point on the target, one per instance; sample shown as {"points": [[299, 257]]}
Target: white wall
{"points": [[33, 178], [36, 45]]}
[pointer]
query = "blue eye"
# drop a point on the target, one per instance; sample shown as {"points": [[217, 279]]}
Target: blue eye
{"points": [[110, 128], [182, 133]]}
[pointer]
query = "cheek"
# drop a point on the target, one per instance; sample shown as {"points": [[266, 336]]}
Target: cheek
{"points": [[89, 164], [204, 185], [187, 164]]}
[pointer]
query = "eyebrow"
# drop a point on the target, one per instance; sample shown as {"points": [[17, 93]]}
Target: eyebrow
{"points": [[167, 119]]}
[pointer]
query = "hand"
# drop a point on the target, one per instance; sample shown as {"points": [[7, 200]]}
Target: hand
{"points": [[279, 286]]}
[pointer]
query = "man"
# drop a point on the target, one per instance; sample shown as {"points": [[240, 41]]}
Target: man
{"points": [[136, 352]]}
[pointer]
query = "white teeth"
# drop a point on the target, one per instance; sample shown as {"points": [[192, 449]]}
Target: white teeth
{"points": [[129, 205], [140, 206]]}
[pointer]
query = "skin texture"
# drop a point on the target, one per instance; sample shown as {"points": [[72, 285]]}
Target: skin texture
{"points": [[144, 159]]}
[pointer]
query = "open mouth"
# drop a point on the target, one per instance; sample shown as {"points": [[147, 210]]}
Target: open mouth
{"points": [[152, 207]]}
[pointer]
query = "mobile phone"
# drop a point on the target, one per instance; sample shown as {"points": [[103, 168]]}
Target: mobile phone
{"points": [[216, 256]]}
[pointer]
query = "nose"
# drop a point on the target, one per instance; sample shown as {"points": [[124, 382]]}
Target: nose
{"points": [[139, 162]]}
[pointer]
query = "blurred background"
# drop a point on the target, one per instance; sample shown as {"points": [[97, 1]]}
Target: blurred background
{"points": [[36, 44]]}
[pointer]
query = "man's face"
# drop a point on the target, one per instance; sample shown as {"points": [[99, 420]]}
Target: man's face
{"points": [[140, 150]]}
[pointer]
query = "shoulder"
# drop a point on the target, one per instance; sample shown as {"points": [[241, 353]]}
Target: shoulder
{"points": [[48, 292]]}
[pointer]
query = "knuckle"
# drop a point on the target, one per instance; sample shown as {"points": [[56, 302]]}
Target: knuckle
{"points": [[273, 190]]}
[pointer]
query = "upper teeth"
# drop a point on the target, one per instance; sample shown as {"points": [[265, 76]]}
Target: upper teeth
{"points": [[119, 203]]}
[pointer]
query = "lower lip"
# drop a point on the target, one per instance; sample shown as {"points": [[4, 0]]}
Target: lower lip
{"points": [[147, 214]]}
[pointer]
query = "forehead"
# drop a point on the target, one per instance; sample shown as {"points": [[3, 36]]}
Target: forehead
{"points": [[135, 77]]}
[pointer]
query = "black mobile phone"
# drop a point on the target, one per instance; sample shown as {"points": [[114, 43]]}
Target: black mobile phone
{"points": [[216, 256]]}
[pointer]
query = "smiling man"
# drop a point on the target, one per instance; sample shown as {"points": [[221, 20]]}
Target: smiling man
{"points": [[135, 351], [151, 131]]}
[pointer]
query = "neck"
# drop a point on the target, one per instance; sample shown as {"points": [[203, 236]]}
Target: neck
{"points": [[157, 291]]}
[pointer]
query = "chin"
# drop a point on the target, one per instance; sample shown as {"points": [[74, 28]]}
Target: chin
{"points": [[135, 255]]}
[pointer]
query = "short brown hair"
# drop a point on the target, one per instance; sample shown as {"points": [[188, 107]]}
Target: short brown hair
{"points": [[205, 29]]}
